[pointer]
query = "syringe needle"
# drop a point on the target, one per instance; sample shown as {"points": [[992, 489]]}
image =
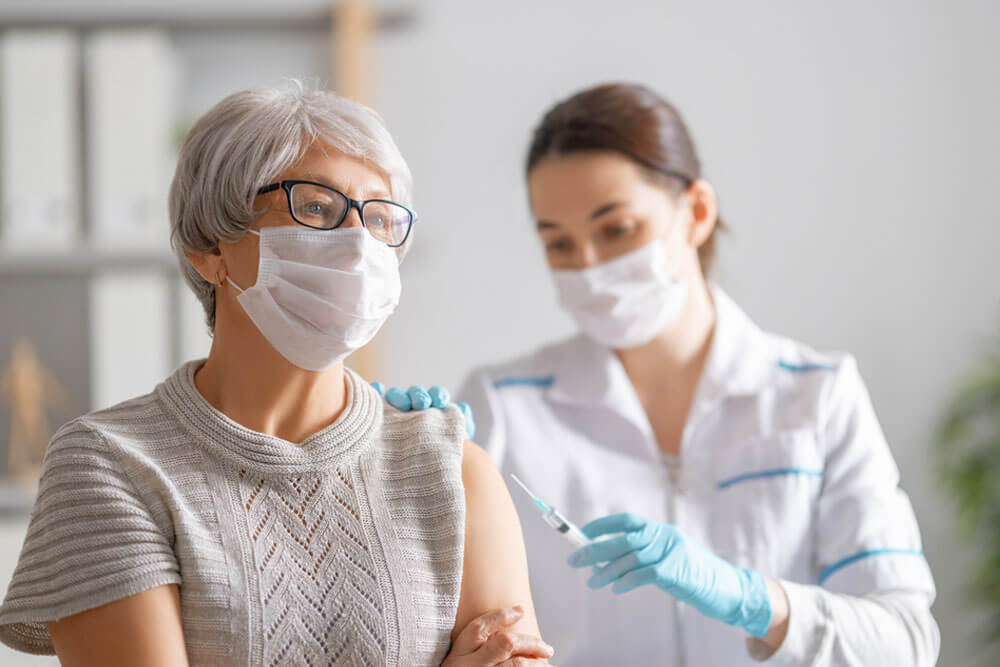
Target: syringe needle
{"points": [[538, 502], [521, 484]]}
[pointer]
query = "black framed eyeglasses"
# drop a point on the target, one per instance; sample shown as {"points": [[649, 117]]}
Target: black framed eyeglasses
{"points": [[321, 207]]}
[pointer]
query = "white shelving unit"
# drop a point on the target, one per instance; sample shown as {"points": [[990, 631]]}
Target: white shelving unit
{"points": [[219, 46], [214, 42], [84, 260]]}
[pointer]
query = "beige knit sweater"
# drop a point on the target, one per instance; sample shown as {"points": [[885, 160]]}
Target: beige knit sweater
{"points": [[343, 550]]}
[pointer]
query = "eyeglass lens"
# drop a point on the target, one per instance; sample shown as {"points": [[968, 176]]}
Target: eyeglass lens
{"points": [[325, 209]]}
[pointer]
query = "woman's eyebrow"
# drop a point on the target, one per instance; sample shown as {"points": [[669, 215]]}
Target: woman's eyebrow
{"points": [[607, 208], [374, 192], [598, 212], [367, 191]]}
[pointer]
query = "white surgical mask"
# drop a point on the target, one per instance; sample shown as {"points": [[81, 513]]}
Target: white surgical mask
{"points": [[321, 295], [627, 301]]}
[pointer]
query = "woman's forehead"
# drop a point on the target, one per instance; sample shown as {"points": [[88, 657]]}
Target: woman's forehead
{"points": [[355, 176], [573, 188]]}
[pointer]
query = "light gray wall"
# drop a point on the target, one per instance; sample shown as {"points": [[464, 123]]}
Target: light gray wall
{"points": [[852, 145]]}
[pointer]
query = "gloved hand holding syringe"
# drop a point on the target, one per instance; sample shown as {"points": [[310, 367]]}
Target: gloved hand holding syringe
{"points": [[555, 519]]}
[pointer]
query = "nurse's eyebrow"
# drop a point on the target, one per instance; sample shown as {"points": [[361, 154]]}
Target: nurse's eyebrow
{"points": [[602, 210], [607, 208]]}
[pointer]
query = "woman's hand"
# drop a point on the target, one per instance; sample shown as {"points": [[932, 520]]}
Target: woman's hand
{"points": [[418, 398], [649, 552], [485, 642]]}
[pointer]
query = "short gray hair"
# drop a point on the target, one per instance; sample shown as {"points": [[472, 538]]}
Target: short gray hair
{"points": [[243, 143]]}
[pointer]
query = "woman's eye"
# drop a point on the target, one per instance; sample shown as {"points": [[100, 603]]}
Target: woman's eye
{"points": [[315, 208], [561, 245], [616, 232]]}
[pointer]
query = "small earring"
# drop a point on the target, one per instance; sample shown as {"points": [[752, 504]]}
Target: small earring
{"points": [[218, 282]]}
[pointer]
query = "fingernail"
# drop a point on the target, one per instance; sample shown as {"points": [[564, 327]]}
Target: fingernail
{"points": [[518, 610]]}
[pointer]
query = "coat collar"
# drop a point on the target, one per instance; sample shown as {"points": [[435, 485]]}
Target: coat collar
{"points": [[742, 358], [740, 362]]}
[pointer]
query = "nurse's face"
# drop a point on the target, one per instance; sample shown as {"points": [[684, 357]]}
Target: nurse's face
{"points": [[591, 207]]}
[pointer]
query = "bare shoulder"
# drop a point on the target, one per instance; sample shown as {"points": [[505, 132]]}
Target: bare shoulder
{"points": [[477, 466], [487, 497]]}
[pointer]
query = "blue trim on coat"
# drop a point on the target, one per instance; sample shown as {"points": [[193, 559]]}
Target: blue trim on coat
{"points": [[525, 381], [726, 483], [866, 554], [805, 368]]}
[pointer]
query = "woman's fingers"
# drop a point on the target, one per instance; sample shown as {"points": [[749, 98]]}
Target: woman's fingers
{"points": [[479, 629], [398, 399], [525, 662], [610, 549], [470, 420], [419, 398], [606, 550], [612, 571], [505, 645], [440, 396], [640, 577], [615, 523], [649, 554]]}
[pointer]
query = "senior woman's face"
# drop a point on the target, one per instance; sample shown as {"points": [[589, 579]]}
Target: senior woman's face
{"points": [[591, 207], [353, 176]]}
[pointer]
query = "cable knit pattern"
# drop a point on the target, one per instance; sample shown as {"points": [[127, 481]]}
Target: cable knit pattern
{"points": [[343, 550]]}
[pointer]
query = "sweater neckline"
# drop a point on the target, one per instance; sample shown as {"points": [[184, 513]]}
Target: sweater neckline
{"points": [[351, 435]]}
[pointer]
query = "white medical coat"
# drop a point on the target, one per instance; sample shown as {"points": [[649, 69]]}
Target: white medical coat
{"points": [[783, 468]]}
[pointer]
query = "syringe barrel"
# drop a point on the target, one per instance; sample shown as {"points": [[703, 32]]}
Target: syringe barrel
{"points": [[565, 528]]}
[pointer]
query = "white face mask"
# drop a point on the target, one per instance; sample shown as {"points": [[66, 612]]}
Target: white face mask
{"points": [[321, 295], [625, 302]]}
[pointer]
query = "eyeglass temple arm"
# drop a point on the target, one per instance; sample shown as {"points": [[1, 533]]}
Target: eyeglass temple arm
{"points": [[269, 188]]}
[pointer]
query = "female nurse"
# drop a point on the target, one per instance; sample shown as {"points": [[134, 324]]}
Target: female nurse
{"points": [[745, 503]]}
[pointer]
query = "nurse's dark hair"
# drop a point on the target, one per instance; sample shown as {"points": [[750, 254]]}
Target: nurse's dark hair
{"points": [[629, 119]]}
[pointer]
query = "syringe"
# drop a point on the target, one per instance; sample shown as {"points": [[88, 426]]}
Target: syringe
{"points": [[555, 519]]}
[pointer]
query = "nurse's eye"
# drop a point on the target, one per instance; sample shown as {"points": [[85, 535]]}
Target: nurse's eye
{"points": [[559, 246], [616, 232]]}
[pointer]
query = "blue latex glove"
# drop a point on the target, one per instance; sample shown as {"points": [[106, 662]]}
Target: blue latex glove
{"points": [[418, 398], [648, 552]]}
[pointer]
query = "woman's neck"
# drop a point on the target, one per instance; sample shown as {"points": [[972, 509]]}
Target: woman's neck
{"points": [[247, 380], [671, 364]]}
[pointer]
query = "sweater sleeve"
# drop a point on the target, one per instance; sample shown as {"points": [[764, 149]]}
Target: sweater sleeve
{"points": [[91, 540]]}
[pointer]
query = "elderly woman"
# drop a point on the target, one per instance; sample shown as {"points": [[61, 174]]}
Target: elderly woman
{"points": [[262, 506]]}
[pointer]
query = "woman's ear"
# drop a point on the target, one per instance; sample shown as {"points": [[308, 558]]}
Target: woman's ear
{"points": [[704, 212], [209, 265]]}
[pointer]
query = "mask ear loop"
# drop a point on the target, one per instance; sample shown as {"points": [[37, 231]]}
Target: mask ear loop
{"points": [[218, 283]]}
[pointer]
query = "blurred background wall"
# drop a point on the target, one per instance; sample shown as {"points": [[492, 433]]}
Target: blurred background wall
{"points": [[852, 146]]}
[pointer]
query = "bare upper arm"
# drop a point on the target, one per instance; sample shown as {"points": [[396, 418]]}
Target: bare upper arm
{"points": [[495, 570], [143, 629]]}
